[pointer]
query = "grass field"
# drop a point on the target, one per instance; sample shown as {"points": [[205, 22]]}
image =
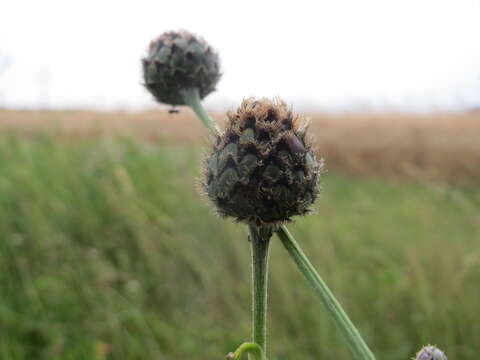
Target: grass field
{"points": [[107, 251]]}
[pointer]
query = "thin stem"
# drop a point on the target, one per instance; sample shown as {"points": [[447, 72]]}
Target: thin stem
{"points": [[359, 348], [260, 241], [192, 99], [247, 348]]}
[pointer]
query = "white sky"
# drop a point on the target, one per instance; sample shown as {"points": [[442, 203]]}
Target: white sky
{"points": [[406, 54]]}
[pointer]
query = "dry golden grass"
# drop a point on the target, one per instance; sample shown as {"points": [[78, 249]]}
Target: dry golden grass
{"points": [[434, 146]]}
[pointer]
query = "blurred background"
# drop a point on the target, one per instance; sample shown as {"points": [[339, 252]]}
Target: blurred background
{"points": [[109, 251]]}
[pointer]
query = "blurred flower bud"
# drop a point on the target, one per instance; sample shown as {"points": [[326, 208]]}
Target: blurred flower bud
{"points": [[430, 352], [179, 60]]}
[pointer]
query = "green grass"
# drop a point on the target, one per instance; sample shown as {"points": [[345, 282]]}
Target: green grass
{"points": [[107, 251]]}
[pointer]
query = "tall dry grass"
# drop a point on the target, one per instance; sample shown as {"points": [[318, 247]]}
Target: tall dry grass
{"points": [[441, 146]]}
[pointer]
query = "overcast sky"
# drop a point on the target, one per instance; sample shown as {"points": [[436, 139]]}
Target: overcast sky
{"points": [[333, 55]]}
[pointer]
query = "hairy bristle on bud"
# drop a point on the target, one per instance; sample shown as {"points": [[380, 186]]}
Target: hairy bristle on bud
{"points": [[262, 169], [176, 61]]}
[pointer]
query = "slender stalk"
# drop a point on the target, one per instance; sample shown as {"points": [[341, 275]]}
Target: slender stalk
{"points": [[260, 249], [358, 347], [192, 99]]}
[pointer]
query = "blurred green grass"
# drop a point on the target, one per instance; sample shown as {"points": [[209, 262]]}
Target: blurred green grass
{"points": [[107, 251]]}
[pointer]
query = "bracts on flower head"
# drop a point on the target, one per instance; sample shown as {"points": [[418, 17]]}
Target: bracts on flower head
{"points": [[178, 61], [262, 169]]}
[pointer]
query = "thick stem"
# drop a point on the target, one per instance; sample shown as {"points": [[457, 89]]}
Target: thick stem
{"points": [[260, 241], [359, 348], [192, 99]]}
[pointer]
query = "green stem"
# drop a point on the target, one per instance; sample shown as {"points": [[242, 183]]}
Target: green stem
{"points": [[247, 348], [192, 99], [260, 241], [359, 348]]}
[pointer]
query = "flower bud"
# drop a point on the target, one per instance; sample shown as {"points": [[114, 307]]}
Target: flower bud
{"points": [[179, 60], [430, 352], [262, 169]]}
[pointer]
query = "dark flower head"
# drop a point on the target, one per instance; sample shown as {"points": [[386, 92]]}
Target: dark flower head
{"points": [[179, 60], [262, 168]]}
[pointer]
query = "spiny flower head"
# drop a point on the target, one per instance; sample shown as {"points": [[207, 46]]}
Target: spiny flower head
{"points": [[179, 60], [262, 169]]}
